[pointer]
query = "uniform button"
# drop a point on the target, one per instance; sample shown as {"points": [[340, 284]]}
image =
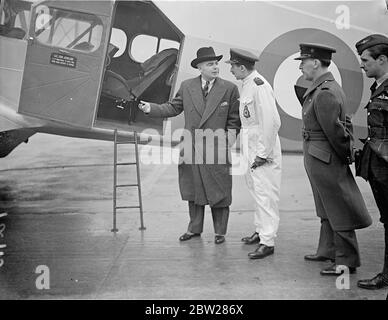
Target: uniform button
{"points": [[368, 113], [368, 139], [309, 100], [370, 101], [304, 113], [379, 109]]}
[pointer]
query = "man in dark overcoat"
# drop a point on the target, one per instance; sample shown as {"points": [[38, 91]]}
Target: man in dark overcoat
{"points": [[327, 148], [211, 109], [373, 164]]}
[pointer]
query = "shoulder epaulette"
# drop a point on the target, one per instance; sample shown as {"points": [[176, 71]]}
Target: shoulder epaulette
{"points": [[324, 85], [258, 81]]}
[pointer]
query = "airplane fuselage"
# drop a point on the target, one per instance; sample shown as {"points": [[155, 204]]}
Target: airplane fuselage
{"points": [[81, 67]]}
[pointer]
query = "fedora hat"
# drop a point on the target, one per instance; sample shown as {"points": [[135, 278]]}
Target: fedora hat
{"points": [[205, 54]]}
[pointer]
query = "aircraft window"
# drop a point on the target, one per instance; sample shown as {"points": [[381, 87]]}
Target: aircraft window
{"points": [[144, 46], [22, 19], [10, 20], [69, 30], [119, 39], [6, 12]]}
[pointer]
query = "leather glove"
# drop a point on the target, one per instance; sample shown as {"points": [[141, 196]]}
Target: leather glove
{"points": [[144, 106], [258, 162]]}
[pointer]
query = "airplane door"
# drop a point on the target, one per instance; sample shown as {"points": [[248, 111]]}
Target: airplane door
{"points": [[65, 60]]}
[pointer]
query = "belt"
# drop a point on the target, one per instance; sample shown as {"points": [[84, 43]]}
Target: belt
{"points": [[378, 132], [313, 135]]}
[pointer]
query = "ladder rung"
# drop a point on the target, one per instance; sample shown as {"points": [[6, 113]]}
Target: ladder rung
{"points": [[126, 185], [128, 207], [125, 163], [126, 142]]}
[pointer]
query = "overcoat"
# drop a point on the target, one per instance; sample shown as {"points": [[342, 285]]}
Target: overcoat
{"points": [[328, 147], [204, 166]]}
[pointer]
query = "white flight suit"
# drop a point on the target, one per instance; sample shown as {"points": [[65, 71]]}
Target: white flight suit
{"points": [[260, 125]]}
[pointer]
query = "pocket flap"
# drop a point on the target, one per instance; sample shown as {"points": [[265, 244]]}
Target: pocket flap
{"points": [[320, 154], [246, 101]]}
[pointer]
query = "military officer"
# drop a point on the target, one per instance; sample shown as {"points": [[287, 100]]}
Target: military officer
{"points": [[374, 158], [327, 148], [261, 149]]}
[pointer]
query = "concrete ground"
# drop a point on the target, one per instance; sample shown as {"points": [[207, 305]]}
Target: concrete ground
{"points": [[57, 192]]}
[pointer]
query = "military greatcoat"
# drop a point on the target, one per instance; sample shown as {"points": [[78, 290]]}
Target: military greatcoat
{"points": [[327, 147]]}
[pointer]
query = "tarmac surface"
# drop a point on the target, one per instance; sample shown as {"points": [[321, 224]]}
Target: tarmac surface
{"points": [[57, 192]]}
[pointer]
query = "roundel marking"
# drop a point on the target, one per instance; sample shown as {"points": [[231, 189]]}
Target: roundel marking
{"points": [[286, 45], [285, 94]]}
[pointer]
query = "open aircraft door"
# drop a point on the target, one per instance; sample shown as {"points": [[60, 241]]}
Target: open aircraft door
{"points": [[65, 60]]}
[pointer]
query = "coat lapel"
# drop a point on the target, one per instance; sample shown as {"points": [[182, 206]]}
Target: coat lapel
{"points": [[215, 95], [197, 95], [325, 77], [380, 89]]}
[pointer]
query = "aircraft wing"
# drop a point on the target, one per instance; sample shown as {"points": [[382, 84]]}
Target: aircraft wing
{"points": [[9, 140], [14, 129]]}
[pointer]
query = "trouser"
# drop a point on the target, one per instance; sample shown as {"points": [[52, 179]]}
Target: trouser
{"points": [[264, 186], [197, 214], [385, 268], [378, 180], [339, 245]]}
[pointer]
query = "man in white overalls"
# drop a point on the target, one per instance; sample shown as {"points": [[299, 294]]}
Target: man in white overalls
{"points": [[260, 149]]}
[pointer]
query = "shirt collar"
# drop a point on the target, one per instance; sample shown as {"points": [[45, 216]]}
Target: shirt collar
{"points": [[204, 82], [249, 77], [382, 79]]}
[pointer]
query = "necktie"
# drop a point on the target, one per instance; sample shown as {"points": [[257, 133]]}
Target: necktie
{"points": [[206, 89], [373, 87]]}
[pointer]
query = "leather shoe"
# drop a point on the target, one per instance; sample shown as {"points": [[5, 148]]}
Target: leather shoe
{"points": [[261, 252], [254, 238], [332, 270], [315, 257], [187, 236], [378, 282], [219, 239]]}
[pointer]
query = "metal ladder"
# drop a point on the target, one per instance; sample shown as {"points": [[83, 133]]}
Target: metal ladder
{"points": [[116, 186]]}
